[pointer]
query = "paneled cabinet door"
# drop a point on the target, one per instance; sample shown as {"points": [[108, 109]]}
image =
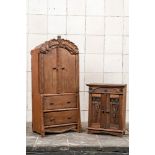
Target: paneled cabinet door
{"points": [[106, 111], [48, 72], [68, 71], [94, 111], [111, 111], [57, 72]]}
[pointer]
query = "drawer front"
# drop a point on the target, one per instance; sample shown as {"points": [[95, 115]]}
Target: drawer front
{"points": [[62, 117], [106, 90], [59, 102]]}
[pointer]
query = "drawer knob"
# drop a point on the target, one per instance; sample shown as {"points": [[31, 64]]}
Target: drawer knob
{"points": [[51, 103], [68, 102], [69, 117]]}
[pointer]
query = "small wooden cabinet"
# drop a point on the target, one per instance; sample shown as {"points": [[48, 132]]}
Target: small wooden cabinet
{"points": [[107, 108], [55, 87]]}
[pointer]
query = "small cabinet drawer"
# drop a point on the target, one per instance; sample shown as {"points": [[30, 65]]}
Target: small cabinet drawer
{"points": [[106, 90], [59, 102], [60, 117]]}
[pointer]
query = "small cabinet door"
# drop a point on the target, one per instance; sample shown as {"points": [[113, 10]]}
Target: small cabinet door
{"points": [[111, 111], [95, 111], [105, 111]]}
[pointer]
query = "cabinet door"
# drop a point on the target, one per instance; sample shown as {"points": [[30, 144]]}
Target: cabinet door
{"points": [[58, 72], [111, 111], [67, 73], [95, 111], [48, 72]]}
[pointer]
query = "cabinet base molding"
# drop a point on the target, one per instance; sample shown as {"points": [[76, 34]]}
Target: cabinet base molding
{"points": [[106, 131]]}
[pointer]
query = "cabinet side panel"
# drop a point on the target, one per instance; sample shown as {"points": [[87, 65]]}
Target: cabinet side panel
{"points": [[36, 99], [79, 116], [77, 73], [77, 89], [35, 74], [124, 109], [121, 115], [90, 111]]}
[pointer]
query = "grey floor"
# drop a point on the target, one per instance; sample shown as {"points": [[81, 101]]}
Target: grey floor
{"points": [[74, 143]]}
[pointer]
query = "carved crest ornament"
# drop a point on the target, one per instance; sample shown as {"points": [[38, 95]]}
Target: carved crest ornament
{"points": [[57, 43]]}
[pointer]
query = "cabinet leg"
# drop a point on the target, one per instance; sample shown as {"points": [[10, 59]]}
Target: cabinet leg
{"points": [[123, 132], [88, 131], [79, 128], [43, 134]]}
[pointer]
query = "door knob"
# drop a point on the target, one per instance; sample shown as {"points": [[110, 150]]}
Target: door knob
{"points": [[55, 68]]}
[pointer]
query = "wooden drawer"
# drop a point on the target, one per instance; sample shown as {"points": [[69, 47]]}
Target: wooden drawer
{"points": [[59, 102], [60, 117], [106, 90]]}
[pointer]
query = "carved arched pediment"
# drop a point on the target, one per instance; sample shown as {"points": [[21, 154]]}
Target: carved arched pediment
{"points": [[58, 43]]}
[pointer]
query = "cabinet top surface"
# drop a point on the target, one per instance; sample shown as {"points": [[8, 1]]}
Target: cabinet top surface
{"points": [[105, 85]]}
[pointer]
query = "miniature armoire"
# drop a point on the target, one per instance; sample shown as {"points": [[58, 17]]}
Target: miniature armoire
{"points": [[107, 107]]}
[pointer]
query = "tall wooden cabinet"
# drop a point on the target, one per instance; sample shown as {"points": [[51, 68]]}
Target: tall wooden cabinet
{"points": [[107, 108], [55, 87]]}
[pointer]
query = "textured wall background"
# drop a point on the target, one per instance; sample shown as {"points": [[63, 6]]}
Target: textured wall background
{"points": [[100, 30]]}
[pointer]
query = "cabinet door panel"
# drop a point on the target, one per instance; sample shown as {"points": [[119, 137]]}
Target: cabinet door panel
{"points": [[67, 72], [95, 110], [111, 111], [50, 72], [115, 101]]}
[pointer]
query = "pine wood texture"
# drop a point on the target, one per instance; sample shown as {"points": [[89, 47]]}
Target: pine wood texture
{"points": [[107, 108], [55, 87]]}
